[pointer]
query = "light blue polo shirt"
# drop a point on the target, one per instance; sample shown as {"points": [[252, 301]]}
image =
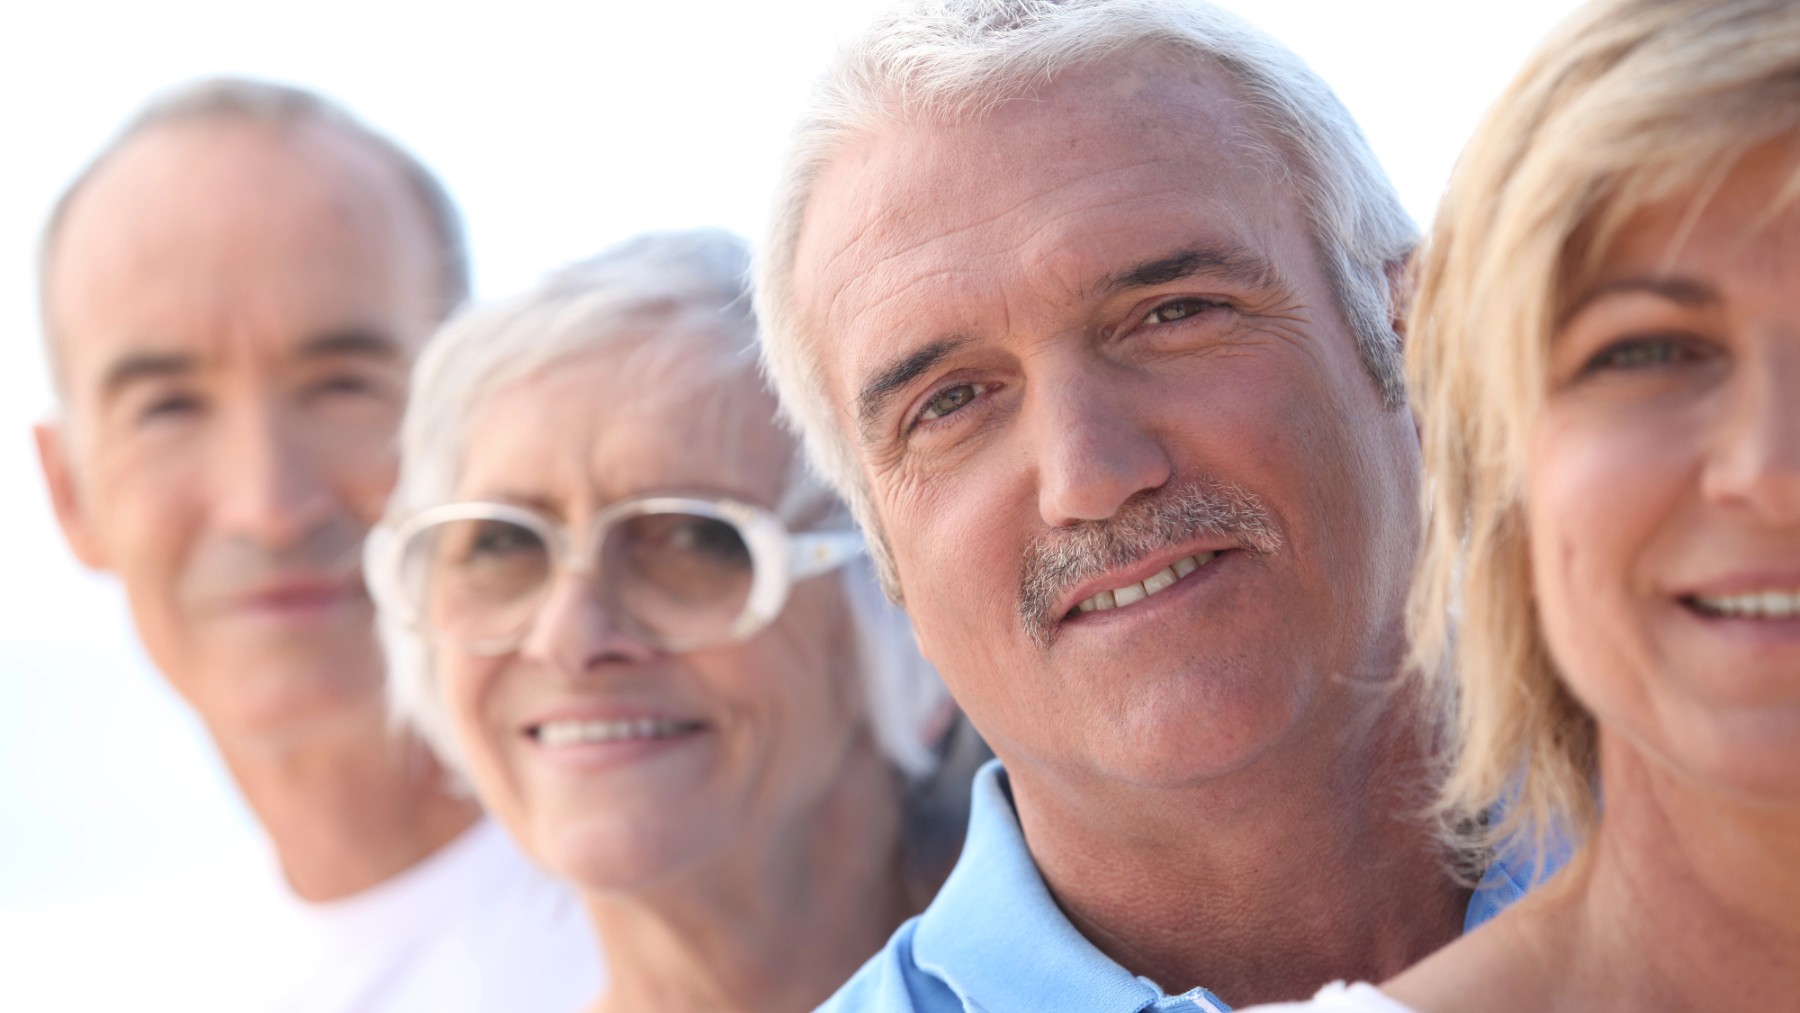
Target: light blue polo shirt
{"points": [[994, 939]]}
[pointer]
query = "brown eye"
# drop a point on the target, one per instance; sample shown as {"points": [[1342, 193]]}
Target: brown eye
{"points": [[949, 401], [1177, 309]]}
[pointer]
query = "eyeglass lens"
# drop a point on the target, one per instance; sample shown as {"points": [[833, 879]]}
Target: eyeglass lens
{"points": [[674, 578]]}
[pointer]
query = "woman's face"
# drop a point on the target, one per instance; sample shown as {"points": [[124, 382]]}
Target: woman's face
{"points": [[726, 744], [1664, 489]]}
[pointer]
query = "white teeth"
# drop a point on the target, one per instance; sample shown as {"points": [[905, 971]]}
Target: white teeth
{"points": [[1156, 583], [568, 733], [1754, 605], [1159, 580]]}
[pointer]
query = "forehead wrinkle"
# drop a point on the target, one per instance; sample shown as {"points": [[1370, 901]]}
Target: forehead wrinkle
{"points": [[1061, 228]]}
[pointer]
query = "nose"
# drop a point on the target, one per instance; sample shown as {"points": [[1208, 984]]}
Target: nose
{"points": [[573, 634], [268, 488], [1755, 464], [1094, 450]]}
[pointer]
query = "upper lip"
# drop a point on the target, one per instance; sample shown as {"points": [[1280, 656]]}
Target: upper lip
{"points": [[1746, 582], [1136, 572]]}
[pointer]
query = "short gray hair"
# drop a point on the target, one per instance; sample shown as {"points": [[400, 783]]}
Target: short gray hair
{"points": [[959, 59], [248, 100], [662, 303]]}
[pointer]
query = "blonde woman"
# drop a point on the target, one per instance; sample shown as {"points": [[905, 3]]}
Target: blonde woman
{"points": [[1606, 360]]}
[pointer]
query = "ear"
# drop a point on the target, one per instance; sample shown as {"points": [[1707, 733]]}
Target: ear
{"points": [[1400, 298], [65, 498], [1400, 294]]}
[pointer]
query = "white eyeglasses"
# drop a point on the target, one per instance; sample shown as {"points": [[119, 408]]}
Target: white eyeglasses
{"points": [[678, 572]]}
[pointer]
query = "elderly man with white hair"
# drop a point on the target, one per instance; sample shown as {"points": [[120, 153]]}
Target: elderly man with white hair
{"points": [[1091, 311]]}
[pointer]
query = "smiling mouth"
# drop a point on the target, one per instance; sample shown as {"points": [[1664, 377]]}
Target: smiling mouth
{"points": [[1783, 604], [1155, 584], [574, 733]]}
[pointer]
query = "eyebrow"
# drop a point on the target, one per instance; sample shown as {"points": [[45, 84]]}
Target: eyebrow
{"points": [[358, 342], [135, 367], [881, 389], [1231, 263], [1687, 292]]}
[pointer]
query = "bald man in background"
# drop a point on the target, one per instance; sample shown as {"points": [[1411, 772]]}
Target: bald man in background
{"points": [[233, 293]]}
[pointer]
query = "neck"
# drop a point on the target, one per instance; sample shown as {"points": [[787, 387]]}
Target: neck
{"points": [[776, 920], [1261, 884], [1685, 900], [346, 803]]}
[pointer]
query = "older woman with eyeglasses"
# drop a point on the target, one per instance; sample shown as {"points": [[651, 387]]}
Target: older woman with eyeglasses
{"points": [[619, 605], [1606, 361]]}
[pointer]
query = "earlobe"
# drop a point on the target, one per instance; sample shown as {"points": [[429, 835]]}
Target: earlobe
{"points": [[59, 479]]}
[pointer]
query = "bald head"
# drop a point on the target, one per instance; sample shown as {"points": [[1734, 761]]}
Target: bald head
{"points": [[184, 137]]}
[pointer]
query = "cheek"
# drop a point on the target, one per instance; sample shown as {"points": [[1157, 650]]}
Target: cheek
{"points": [[147, 512], [1597, 494], [957, 543], [799, 681], [469, 687]]}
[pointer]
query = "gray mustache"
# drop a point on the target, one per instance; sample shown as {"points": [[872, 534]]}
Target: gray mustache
{"points": [[228, 566], [1058, 560]]}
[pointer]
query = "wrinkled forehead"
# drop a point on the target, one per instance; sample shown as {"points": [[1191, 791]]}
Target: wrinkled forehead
{"points": [[1136, 155], [625, 419], [214, 238]]}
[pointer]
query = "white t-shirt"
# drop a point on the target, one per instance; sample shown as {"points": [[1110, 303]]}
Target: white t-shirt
{"points": [[474, 928], [1338, 997]]}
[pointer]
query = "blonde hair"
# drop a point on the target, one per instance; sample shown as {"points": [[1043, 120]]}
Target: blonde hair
{"points": [[958, 60], [1628, 104]]}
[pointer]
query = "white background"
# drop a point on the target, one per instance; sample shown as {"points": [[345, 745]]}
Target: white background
{"points": [[560, 127]]}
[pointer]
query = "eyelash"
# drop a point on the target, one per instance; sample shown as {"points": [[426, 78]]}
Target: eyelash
{"points": [[1199, 306], [1644, 353], [166, 407], [346, 384]]}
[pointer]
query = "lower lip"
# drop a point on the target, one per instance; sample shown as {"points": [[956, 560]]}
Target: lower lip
{"points": [[297, 609], [1153, 608], [616, 753]]}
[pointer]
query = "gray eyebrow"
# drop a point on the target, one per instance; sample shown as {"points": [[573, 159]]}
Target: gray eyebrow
{"points": [[1229, 262], [881, 389]]}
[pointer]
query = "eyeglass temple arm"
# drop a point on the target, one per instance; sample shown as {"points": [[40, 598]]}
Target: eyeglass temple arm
{"points": [[819, 552]]}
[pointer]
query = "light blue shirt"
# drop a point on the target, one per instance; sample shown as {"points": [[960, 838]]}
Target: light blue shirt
{"points": [[994, 939]]}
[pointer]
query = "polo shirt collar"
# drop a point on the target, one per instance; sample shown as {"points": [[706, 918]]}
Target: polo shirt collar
{"points": [[995, 935]]}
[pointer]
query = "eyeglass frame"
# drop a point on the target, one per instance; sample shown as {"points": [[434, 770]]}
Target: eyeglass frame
{"points": [[779, 558]]}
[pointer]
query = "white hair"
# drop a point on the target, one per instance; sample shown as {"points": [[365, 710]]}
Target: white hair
{"points": [[953, 60], [662, 304]]}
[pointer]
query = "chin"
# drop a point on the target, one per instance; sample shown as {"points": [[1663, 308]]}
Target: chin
{"points": [[263, 693], [1193, 731], [609, 858]]}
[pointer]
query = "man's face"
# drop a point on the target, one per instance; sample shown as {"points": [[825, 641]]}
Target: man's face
{"points": [[235, 309], [1089, 358]]}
